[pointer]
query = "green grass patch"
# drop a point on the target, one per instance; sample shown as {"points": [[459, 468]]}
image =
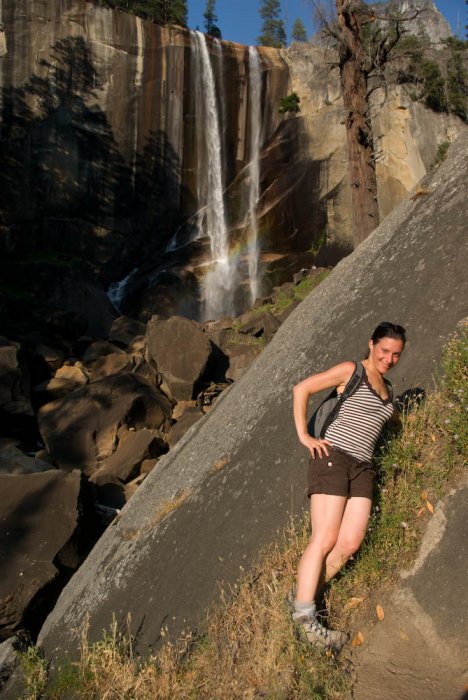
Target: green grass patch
{"points": [[297, 293], [307, 285]]}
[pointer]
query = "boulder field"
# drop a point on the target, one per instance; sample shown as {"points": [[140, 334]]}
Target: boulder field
{"points": [[103, 410], [238, 475]]}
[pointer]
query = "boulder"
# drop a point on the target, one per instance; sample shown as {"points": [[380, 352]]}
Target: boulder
{"points": [[14, 461], [45, 457], [67, 379], [132, 486], [180, 351], [114, 363], [260, 301], [181, 407], [301, 275], [219, 332], [124, 330], [264, 324], [189, 418], [99, 349], [10, 669], [51, 357], [40, 516], [124, 463], [14, 379], [80, 430], [241, 356], [147, 466], [138, 344], [288, 310]]}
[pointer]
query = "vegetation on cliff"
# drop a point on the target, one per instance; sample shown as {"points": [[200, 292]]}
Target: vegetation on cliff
{"points": [[249, 649], [160, 11], [273, 30], [211, 19], [298, 32]]}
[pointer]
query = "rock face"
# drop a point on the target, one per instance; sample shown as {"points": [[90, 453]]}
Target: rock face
{"points": [[429, 22], [241, 470], [424, 636], [406, 139], [40, 514]]}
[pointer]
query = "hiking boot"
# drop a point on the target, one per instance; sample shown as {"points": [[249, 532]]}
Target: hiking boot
{"points": [[312, 631]]}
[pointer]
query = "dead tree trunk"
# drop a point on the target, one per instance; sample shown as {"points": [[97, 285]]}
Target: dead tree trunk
{"points": [[354, 87]]}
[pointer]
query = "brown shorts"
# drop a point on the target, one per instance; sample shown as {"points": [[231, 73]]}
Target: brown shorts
{"points": [[340, 474]]}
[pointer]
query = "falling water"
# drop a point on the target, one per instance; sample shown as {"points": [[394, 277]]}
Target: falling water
{"points": [[220, 281], [255, 97], [116, 291]]}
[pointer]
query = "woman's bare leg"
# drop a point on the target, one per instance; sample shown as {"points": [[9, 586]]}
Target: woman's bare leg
{"points": [[326, 514], [351, 533]]}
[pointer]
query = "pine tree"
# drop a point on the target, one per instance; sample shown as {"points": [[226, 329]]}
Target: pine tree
{"points": [[299, 32], [273, 31], [457, 79], [210, 19]]}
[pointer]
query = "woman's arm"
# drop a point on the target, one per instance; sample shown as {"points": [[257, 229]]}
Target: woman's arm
{"points": [[333, 377]]}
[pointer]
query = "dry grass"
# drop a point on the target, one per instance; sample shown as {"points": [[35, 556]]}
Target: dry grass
{"points": [[249, 650]]}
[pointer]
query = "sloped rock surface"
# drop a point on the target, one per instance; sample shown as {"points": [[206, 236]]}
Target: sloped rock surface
{"points": [[80, 430], [189, 418], [243, 468]]}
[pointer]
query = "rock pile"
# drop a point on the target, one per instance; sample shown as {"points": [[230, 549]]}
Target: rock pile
{"points": [[86, 419]]}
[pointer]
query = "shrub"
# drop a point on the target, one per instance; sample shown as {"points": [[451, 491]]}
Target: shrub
{"points": [[441, 153], [433, 87], [290, 103]]}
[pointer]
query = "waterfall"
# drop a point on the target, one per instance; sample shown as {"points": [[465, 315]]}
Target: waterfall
{"points": [[116, 291], [220, 281], [255, 101]]}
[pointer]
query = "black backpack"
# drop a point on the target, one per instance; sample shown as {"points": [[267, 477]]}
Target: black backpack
{"points": [[330, 406]]}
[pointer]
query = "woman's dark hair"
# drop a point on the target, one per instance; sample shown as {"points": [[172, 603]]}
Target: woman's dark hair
{"points": [[388, 330]]}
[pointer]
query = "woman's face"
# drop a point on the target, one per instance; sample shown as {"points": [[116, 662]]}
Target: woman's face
{"points": [[385, 353]]}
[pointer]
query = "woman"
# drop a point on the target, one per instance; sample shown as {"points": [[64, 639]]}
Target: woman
{"points": [[341, 473]]}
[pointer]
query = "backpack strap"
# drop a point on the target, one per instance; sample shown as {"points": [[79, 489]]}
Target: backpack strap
{"points": [[389, 389], [350, 388], [354, 382]]}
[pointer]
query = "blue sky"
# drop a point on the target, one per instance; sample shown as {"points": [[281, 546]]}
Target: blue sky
{"points": [[239, 19]]}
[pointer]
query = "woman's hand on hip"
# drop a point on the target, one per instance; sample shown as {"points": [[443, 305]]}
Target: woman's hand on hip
{"points": [[316, 445]]}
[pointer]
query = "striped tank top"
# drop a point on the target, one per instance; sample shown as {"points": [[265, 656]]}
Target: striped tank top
{"points": [[360, 421]]}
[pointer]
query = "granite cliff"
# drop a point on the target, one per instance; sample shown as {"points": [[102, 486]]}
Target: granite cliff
{"points": [[105, 163]]}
